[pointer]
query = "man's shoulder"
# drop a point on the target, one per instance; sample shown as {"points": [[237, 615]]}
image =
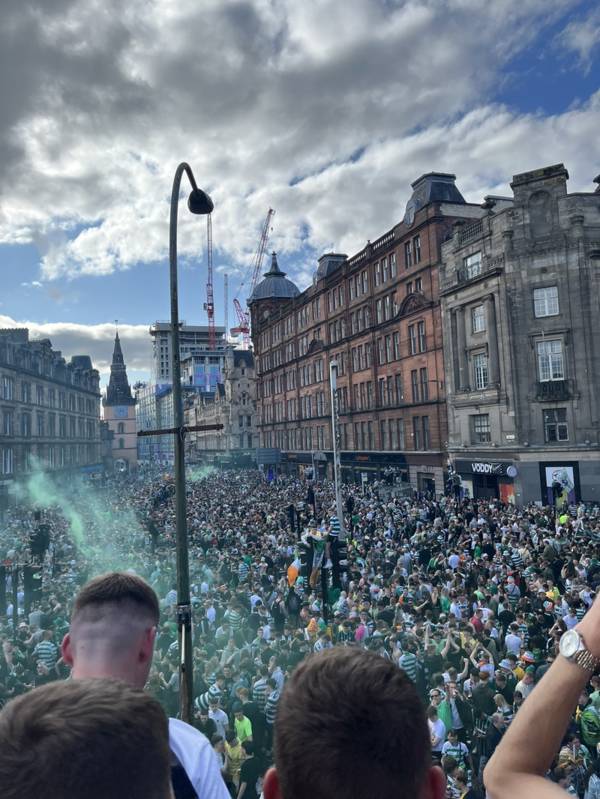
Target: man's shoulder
{"points": [[182, 735], [196, 755]]}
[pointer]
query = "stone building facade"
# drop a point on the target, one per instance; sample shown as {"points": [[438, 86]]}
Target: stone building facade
{"points": [[233, 405], [119, 414], [520, 291], [377, 315], [49, 410]]}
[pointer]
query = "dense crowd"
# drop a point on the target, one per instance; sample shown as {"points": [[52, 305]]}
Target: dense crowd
{"points": [[468, 597]]}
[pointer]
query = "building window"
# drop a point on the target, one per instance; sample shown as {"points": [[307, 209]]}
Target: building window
{"points": [[417, 248], [7, 461], [382, 392], [393, 266], [419, 284], [416, 432], [40, 424], [25, 425], [478, 319], [472, 265], [424, 385], [409, 288], [480, 371], [377, 273], [7, 423], [400, 423], [384, 269], [412, 338], [364, 280], [396, 346], [480, 428], [407, 255], [398, 388], [425, 422], [422, 337], [379, 311], [550, 360], [388, 349], [545, 302], [414, 382], [121, 427], [555, 425], [383, 434]]}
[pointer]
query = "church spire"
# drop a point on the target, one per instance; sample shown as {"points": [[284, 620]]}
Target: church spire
{"points": [[118, 391]]}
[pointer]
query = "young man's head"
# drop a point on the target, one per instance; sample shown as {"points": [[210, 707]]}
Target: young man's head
{"points": [[84, 739], [113, 627], [359, 722]]}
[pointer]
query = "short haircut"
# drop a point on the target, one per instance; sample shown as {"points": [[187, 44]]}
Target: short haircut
{"points": [[84, 739], [358, 720], [117, 588]]}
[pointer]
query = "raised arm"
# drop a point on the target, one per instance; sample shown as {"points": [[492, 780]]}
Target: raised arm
{"points": [[517, 768]]}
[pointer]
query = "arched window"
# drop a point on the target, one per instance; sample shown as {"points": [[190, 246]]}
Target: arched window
{"points": [[121, 427]]}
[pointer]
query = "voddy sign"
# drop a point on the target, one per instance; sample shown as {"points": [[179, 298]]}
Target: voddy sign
{"points": [[492, 468]]}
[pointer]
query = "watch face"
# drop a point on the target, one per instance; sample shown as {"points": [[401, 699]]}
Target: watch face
{"points": [[569, 643]]}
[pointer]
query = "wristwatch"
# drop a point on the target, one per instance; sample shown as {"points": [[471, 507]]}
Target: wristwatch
{"points": [[573, 648]]}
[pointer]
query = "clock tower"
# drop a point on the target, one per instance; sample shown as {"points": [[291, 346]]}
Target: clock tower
{"points": [[119, 413]]}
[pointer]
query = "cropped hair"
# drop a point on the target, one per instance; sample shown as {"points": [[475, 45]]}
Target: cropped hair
{"points": [[358, 720], [84, 739], [117, 588]]}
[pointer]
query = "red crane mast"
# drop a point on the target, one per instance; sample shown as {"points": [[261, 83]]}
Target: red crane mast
{"points": [[243, 325]]}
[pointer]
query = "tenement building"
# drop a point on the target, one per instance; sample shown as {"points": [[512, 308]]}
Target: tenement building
{"points": [[520, 291], [377, 316], [49, 410], [232, 405]]}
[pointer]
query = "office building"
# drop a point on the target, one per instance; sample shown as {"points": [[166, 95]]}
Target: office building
{"points": [[520, 291]]}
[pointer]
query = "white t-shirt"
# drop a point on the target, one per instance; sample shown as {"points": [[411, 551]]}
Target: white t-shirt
{"points": [[513, 644], [197, 757], [437, 731]]}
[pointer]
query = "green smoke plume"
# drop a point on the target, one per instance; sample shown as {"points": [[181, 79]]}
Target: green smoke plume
{"points": [[105, 538]]}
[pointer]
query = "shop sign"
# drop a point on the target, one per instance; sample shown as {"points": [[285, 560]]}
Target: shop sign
{"points": [[493, 468]]}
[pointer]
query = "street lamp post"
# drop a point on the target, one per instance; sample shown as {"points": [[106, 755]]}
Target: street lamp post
{"points": [[198, 203], [333, 366]]}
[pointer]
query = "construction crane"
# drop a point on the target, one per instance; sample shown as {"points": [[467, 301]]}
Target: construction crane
{"points": [[226, 301], [243, 325], [209, 305]]}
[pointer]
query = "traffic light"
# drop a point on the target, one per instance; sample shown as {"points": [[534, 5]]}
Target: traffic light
{"points": [[2, 590], [32, 586], [339, 560]]}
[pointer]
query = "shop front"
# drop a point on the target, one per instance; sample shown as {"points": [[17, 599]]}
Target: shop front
{"points": [[486, 479]]}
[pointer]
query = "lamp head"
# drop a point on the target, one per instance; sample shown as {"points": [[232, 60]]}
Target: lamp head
{"points": [[199, 202]]}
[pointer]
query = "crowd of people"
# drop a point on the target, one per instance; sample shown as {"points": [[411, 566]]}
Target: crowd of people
{"points": [[469, 598]]}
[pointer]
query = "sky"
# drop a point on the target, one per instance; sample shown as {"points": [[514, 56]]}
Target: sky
{"points": [[325, 110]]}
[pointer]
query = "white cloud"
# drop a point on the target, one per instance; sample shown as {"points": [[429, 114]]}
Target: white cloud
{"points": [[325, 110], [582, 37], [97, 341]]}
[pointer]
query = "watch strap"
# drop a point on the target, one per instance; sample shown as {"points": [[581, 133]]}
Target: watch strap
{"points": [[586, 660]]}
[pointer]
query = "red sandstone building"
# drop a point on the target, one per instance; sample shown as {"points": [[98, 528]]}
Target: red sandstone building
{"points": [[378, 315]]}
